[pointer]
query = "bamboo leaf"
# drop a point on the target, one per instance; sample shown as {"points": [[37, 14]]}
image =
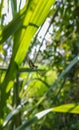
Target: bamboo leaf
{"points": [[67, 108], [33, 17], [13, 26], [14, 112], [64, 72], [14, 7], [21, 45]]}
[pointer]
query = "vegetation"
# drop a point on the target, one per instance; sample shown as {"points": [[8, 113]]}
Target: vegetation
{"points": [[39, 65]]}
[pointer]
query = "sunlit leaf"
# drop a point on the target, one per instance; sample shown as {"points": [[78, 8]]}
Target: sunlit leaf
{"points": [[33, 17], [67, 108]]}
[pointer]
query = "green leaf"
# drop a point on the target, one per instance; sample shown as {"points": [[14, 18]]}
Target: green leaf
{"points": [[14, 112], [64, 72], [13, 26], [14, 7], [33, 17], [67, 108], [25, 35]]}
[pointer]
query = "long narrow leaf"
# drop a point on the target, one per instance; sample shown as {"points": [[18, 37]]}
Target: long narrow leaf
{"points": [[13, 26], [34, 17], [67, 70], [67, 108]]}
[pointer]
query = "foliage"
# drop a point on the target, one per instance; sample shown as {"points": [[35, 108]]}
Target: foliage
{"points": [[39, 65]]}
